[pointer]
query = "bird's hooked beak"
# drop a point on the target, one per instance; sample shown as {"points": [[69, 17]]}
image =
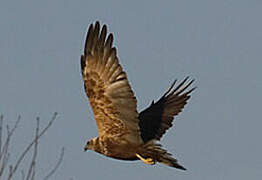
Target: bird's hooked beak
{"points": [[86, 146], [85, 149]]}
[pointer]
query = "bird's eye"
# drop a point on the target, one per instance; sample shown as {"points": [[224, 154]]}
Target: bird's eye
{"points": [[88, 142]]}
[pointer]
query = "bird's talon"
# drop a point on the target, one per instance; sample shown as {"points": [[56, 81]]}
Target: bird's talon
{"points": [[146, 160]]}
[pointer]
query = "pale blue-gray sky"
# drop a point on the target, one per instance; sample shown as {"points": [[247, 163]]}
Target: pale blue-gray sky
{"points": [[216, 42]]}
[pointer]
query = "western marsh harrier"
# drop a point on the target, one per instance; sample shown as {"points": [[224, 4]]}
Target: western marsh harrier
{"points": [[123, 132]]}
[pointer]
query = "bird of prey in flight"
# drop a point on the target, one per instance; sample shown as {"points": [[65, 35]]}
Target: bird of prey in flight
{"points": [[123, 132]]}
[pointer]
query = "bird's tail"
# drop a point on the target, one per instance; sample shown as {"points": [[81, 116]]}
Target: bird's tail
{"points": [[153, 150]]}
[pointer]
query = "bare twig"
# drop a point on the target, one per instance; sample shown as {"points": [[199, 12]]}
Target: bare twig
{"points": [[10, 168], [9, 134], [4, 155], [33, 174], [4, 162], [32, 165], [21, 157], [57, 165], [1, 128]]}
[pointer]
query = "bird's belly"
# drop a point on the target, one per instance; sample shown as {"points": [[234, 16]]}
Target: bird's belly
{"points": [[122, 151]]}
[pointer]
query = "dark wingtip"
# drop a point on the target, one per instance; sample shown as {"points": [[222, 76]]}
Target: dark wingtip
{"points": [[97, 24], [170, 88], [182, 168], [191, 90], [109, 41], [91, 37], [88, 38], [178, 166]]}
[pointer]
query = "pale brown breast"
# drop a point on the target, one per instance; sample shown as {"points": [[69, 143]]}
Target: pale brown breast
{"points": [[118, 148]]}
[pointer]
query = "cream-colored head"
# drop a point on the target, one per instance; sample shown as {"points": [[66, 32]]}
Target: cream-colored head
{"points": [[93, 144]]}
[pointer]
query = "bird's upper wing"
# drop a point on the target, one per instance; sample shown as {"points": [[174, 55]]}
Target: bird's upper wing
{"points": [[106, 85], [158, 117]]}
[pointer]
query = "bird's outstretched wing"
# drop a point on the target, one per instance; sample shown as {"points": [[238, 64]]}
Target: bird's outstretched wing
{"points": [[106, 85], [158, 117]]}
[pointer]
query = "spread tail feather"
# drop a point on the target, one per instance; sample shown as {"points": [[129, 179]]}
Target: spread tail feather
{"points": [[170, 161], [153, 150]]}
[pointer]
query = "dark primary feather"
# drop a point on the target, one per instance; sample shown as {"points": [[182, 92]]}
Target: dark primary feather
{"points": [[158, 117]]}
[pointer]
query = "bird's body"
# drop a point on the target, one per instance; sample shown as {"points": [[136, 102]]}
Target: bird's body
{"points": [[118, 148], [123, 132]]}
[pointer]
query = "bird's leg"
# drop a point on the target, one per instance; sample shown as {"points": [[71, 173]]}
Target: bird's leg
{"points": [[147, 160]]}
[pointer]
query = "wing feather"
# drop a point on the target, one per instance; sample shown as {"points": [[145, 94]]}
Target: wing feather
{"points": [[110, 95], [158, 117]]}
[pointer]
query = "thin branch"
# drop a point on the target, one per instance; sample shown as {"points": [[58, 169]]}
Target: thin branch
{"points": [[1, 128], [33, 174], [9, 134], [57, 165], [4, 156], [21, 157], [4, 162], [35, 150], [10, 168]]}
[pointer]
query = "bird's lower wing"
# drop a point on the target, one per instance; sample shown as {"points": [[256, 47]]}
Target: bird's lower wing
{"points": [[158, 117]]}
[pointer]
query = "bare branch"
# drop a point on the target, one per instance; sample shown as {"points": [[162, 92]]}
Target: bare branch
{"points": [[10, 168], [4, 155], [21, 157], [1, 128], [32, 165], [33, 174], [57, 165], [9, 134], [4, 163]]}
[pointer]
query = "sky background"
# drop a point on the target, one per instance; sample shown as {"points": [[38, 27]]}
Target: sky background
{"points": [[218, 43]]}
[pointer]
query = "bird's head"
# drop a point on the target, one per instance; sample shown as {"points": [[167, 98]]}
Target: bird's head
{"points": [[92, 144]]}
